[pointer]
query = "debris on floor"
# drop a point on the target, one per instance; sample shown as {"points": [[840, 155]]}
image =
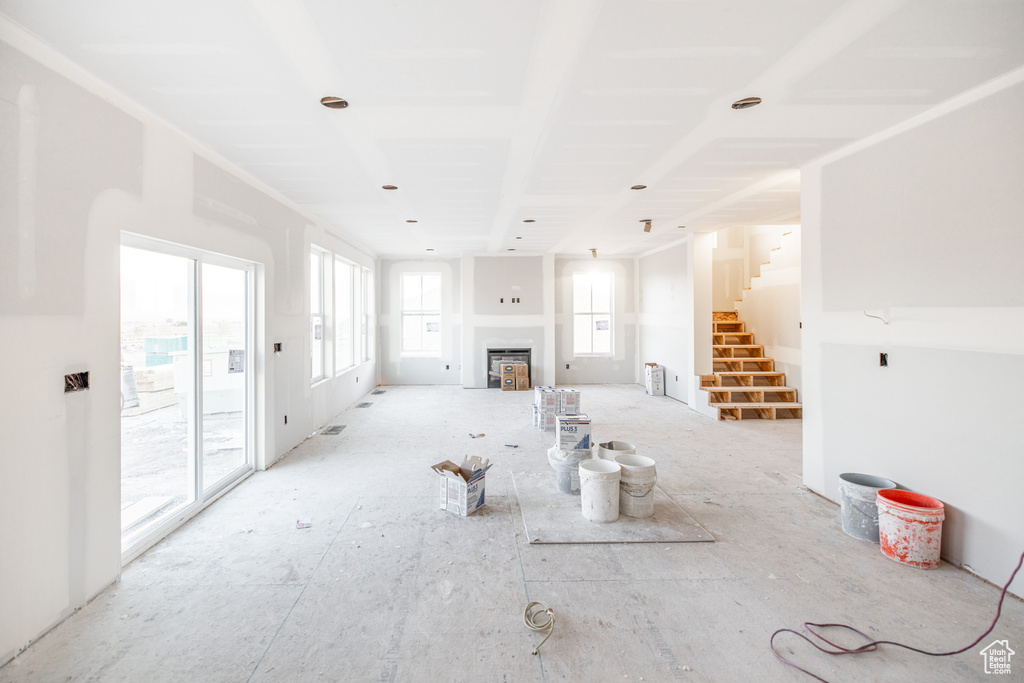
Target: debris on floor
{"points": [[475, 436], [303, 523]]}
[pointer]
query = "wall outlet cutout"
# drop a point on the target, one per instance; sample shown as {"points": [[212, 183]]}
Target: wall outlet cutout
{"points": [[566, 366], [286, 419], [277, 347], [76, 381], [883, 360]]}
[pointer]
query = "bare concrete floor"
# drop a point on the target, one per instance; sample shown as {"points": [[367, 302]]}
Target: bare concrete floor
{"points": [[386, 587]]}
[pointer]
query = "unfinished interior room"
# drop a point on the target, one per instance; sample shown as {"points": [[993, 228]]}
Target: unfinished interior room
{"points": [[537, 340]]}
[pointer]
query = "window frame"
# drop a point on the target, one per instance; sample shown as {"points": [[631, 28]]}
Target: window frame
{"points": [[406, 314], [343, 267], [590, 312], [315, 312]]}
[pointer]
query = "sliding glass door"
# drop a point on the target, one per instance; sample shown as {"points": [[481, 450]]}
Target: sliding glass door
{"points": [[186, 383]]}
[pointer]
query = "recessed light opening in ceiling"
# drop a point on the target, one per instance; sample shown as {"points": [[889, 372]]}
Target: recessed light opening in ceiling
{"points": [[746, 103], [390, 187], [333, 102], [639, 187], [411, 221], [529, 220]]}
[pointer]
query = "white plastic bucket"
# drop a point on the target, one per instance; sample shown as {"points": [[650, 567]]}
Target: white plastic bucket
{"points": [[857, 507], [566, 467], [599, 490], [609, 449], [636, 485]]}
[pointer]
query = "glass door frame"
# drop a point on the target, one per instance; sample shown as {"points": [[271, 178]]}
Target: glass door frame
{"points": [[201, 497]]}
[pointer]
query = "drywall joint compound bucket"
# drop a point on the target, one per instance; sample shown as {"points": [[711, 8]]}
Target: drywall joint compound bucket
{"points": [[609, 449], [636, 485], [858, 508], [599, 490], [910, 527], [566, 466]]}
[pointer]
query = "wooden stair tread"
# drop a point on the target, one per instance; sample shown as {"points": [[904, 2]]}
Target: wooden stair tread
{"points": [[737, 346], [759, 404], [756, 373], [747, 388]]}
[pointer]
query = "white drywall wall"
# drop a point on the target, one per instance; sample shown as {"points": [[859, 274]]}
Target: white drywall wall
{"points": [[666, 316], [621, 366], [923, 226], [82, 164]]}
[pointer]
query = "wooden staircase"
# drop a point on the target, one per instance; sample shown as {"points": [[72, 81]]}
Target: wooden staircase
{"points": [[745, 384]]}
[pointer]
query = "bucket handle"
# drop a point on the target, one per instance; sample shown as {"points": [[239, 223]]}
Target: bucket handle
{"points": [[858, 509]]}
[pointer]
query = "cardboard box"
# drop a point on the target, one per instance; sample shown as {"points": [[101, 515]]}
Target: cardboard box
{"points": [[654, 380], [546, 398], [522, 383], [572, 432], [568, 402], [508, 382], [522, 370], [462, 486], [508, 369]]}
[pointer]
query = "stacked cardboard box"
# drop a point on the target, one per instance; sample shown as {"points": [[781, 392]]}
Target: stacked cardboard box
{"points": [[515, 376], [549, 403]]}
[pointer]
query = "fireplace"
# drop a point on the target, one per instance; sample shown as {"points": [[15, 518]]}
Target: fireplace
{"points": [[495, 357]]}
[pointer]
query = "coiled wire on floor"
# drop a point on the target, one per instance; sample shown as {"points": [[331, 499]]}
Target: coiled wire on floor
{"points": [[530, 618]]}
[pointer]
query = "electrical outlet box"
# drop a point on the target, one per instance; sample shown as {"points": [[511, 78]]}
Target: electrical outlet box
{"points": [[883, 360], [77, 381], [277, 347]]}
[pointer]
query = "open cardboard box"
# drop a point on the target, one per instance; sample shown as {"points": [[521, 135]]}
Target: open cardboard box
{"points": [[462, 486]]}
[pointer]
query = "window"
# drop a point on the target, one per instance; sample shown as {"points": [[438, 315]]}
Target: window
{"points": [[343, 319], [592, 297], [421, 314], [316, 314]]}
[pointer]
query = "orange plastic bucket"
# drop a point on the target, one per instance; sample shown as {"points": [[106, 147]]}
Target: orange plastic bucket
{"points": [[910, 527]]}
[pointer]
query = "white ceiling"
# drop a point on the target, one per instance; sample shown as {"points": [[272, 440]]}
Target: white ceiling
{"points": [[486, 113]]}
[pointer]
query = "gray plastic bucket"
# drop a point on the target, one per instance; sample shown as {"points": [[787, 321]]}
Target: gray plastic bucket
{"points": [[858, 509]]}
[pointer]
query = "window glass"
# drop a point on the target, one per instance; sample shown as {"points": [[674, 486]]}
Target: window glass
{"points": [[342, 314], [593, 300], [421, 314], [316, 314]]}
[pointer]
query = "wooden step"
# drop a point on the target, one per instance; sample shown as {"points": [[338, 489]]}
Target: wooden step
{"points": [[738, 337], [747, 379], [759, 411], [730, 350], [721, 394], [727, 326], [743, 364], [724, 315]]}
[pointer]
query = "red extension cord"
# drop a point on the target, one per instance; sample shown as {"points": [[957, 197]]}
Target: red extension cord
{"points": [[872, 645]]}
